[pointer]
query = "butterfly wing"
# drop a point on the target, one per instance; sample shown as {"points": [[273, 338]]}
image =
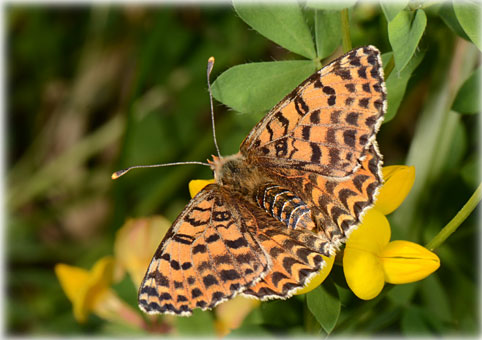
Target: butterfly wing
{"points": [[337, 205], [207, 256], [295, 256], [325, 125]]}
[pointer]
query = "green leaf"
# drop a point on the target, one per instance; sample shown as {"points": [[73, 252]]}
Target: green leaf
{"points": [[452, 150], [392, 8], [199, 323], [447, 13], [258, 87], [402, 294], [397, 83], [404, 33], [435, 299], [282, 23], [327, 32], [413, 322], [470, 172], [290, 316], [468, 14], [330, 5], [324, 303], [467, 99]]}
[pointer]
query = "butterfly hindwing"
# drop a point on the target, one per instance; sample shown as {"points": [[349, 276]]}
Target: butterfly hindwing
{"points": [[208, 256], [337, 206], [327, 122], [295, 256]]}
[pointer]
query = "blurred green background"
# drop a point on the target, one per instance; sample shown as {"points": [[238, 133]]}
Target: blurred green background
{"points": [[93, 89]]}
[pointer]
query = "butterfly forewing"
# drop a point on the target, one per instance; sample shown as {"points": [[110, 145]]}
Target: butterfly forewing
{"points": [[327, 122], [207, 257]]}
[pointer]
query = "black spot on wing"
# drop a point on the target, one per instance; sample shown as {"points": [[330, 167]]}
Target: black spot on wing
{"points": [[315, 153], [288, 262], [349, 137], [238, 243], [344, 195], [350, 87], [196, 292], [362, 72], [212, 238], [315, 117], [276, 277], [209, 280], [364, 102], [200, 248], [229, 275], [301, 106]]}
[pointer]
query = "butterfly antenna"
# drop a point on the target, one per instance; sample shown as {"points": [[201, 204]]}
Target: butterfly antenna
{"points": [[119, 173], [210, 68]]}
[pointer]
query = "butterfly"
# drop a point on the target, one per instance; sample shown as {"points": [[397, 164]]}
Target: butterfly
{"points": [[301, 182]]}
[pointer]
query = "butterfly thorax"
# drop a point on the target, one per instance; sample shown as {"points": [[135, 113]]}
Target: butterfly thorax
{"points": [[237, 175], [245, 178]]}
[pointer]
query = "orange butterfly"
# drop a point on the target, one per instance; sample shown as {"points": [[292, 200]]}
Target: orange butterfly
{"points": [[301, 182]]}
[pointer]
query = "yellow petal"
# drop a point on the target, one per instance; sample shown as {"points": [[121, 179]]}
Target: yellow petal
{"points": [[113, 309], [197, 184], [85, 288], [361, 264], [363, 273], [372, 235], [405, 262], [318, 279], [136, 242], [398, 180], [73, 281]]}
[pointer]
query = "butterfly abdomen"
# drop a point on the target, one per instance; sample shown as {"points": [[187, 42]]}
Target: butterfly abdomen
{"points": [[285, 206]]}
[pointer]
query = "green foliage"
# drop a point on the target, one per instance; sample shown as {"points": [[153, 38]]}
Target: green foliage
{"points": [[199, 324], [325, 305], [467, 100], [468, 15], [91, 90], [405, 31], [327, 32], [391, 9], [243, 87], [397, 82], [447, 14], [283, 24], [331, 5]]}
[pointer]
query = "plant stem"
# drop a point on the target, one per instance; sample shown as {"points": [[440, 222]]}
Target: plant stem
{"points": [[345, 28], [458, 219], [389, 67]]}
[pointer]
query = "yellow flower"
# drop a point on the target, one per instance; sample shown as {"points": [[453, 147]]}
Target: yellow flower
{"points": [[370, 259], [135, 244], [89, 291], [405, 262], [399, 180], [196, 185], [86, 289]]}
